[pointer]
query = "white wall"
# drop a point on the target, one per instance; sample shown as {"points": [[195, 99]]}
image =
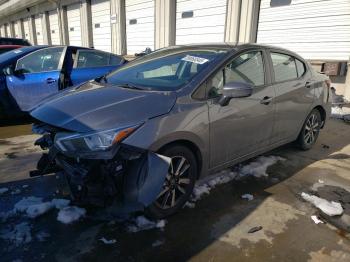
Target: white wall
{"points": [[315, 29]]}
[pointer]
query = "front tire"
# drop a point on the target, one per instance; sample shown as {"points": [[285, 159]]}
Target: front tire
{"points": [[178, 184], [310, 130]]}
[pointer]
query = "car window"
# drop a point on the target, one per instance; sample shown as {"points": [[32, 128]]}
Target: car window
{"points": [[300, 67], [43, 60], [164, 70], [92, 58], [247, 68], [284, 67]]}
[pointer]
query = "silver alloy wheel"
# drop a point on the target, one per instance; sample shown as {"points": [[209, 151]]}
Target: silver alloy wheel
{"points": [[175, 183], [312, 127]]}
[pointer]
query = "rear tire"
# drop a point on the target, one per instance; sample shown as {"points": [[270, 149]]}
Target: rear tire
{"points": [[178, 185], [310, 130]]}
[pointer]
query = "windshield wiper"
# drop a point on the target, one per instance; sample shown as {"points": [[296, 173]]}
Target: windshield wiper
{"points": [[130, 86]]}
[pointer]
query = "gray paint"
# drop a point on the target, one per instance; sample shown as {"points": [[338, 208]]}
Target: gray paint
{"points": [[224, 135]]}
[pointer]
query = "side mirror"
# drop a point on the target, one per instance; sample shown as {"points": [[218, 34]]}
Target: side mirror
{"points": [[19, 72], [235, 90]]}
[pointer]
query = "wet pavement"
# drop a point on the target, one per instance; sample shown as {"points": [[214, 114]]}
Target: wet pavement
{"points": [[216, 229]]}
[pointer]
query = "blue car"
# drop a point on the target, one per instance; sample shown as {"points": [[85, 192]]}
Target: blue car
{"points": [[30, 74]]}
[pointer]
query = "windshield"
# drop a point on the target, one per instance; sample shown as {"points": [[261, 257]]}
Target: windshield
{"points": [[164, 70]]}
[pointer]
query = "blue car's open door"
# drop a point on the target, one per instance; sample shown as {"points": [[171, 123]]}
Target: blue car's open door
{"points": [[36, 77]]}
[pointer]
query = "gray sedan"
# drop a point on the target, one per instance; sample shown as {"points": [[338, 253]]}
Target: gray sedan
{"points": [[139, 137]]}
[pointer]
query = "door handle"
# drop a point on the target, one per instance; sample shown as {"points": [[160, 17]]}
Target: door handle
{"points": [[308, 84], [266, 100], [50, 80]]}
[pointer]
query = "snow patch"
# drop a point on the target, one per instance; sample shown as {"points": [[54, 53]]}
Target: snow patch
{"points": [[258, 167], [42, 236], [249, 197], [339, 112], [20, 234], [60, 203], [316, 220], [24, 203], [34, 211], [330, 208], [141, 223], [3, 190], [108, 242], [70, 214], [16, 192]]}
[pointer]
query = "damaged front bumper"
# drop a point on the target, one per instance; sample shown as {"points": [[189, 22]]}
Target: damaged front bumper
{"points": [[131, 180]]}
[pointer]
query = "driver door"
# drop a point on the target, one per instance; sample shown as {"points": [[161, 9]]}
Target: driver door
{"points": [[245, 125], [36, 76]]}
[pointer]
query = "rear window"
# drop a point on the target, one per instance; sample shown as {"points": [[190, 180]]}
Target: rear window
{"points": [[95, 58], [284, 67]]}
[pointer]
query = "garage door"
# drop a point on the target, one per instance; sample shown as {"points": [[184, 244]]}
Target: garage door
{"points": [[101, 24], [39, 30], [26, 30], [200, 21], [74, 26], [139, 25], [54, 28], [8, 31], [16, 26]]}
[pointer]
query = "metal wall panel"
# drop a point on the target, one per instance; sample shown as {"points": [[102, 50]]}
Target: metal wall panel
{"points": [[200, 21], [317, 30], [139, 25], [39, 29], [54, 28], [74, 24], [101, 24]]}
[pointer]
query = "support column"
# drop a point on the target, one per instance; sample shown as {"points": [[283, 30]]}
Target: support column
{"points": [[233, 17], [12, 29], [118, 27], [63, 24], [32, 30], [86, 23], [165, 23], [6, 31], [46, 28], [347, 83], [21, 29], [249, 21]]}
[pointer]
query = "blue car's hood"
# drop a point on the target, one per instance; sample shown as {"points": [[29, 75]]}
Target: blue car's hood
{"points": [[94, 106]]}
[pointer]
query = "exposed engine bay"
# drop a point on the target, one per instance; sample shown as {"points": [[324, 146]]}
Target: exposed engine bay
{"points": [[130, 180]]}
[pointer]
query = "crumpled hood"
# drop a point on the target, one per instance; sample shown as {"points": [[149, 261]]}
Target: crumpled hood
{"points": [[95, 106]]}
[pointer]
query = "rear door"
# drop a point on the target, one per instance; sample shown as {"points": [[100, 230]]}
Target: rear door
{"points": [[245, 125], [294, 94], [90, 64], [38, 76]]}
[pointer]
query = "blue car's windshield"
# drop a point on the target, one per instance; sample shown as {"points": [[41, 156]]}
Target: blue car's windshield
{"points": [[164, 70]]}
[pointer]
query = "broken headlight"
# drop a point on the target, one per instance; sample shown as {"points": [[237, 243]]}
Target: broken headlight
{"points": [[97, 141]]}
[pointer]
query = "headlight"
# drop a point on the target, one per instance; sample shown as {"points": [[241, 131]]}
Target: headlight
{"points": [[98, 141]]}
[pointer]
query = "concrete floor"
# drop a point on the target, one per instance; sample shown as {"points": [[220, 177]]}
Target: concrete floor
{"points": [[216, 229]]}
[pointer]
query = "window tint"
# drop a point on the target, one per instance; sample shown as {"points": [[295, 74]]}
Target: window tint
{"points": [[89, 58], [283, 67], [300, 67], [43, 60], [247, 68]]}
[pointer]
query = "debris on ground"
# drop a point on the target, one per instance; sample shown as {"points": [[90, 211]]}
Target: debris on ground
{"points": [[249, 197], [108, 242], [255, 229], [70, 214], [325, 146], [3, 190], [20, 234], [157, 243], [316, 220], [330, 208], [42, 236], [258, 167], [320, 181], [189, 204], [141, 223]]}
